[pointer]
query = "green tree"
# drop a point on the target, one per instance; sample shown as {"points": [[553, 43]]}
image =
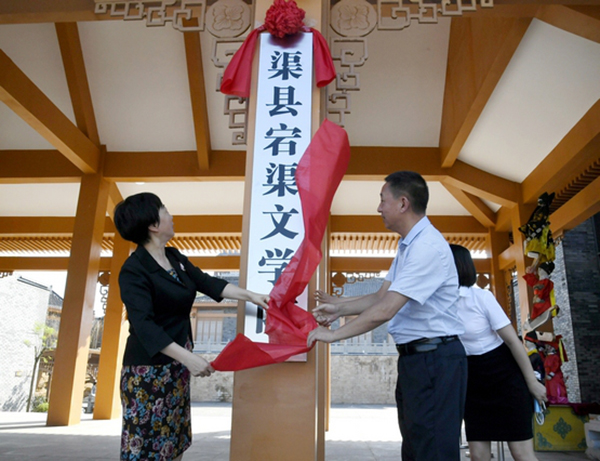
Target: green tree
{"points": [[48, 337]]}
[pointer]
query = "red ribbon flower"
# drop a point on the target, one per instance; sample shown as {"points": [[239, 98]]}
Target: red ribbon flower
{"points": [[282, 19]]}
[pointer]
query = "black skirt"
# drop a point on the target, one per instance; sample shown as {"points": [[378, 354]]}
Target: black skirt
{"points": [[499, 406]]}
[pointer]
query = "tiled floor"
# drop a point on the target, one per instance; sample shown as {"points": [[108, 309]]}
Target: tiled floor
{"points": [[356, 433]]}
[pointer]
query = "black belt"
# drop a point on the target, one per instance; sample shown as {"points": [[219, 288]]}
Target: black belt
{"points": [[423, 345]]}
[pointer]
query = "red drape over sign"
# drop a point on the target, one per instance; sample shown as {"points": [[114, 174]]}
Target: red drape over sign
{"points": [[318, 175], [237, 77]]}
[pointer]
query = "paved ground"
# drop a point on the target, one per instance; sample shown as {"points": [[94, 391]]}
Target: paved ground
{"points": [[356, 433]]}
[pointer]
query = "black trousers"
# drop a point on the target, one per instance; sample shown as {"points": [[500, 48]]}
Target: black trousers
{"points": [[430, 395]]}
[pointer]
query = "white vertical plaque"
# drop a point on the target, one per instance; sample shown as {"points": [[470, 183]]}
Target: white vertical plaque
{"points": [[282, 134]]}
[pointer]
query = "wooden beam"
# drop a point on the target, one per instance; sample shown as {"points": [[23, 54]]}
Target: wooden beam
{"points": [[480, 183], [208, 224], [498, 242], [356, 223], [576, 151], [366, 164], [503, 219], [21, 95], [79, 89], [457, 225], [41, 11], [42, 225], [36, 166], [199, 224], [340, 264], [581, 207], [193, 53], [7, 264], [584, 23], [374, 223], [375, 163], [480, 49], [23, 225], [11, 263], [24, 166], [114, 198], [474, 205], [173, 166]]}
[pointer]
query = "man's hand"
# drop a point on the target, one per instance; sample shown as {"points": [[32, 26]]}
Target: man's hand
{"points": [[320, 334], [323, 297], [326, 314]]}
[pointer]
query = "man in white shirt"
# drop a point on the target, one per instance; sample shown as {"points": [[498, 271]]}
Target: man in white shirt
{"points": [[419, 298]]}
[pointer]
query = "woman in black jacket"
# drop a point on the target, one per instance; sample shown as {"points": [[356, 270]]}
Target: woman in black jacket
{"points": [[158, 287]]}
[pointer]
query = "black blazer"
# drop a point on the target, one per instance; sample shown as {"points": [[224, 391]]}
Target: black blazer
{"points": [[159, 306]]}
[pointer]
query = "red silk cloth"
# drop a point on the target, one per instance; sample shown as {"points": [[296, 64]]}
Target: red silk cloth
{"points": [[318, 175], [238, 74]]}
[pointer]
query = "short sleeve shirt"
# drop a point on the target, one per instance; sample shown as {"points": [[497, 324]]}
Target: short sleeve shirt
{"points": [[482, 317], [424, 271]]}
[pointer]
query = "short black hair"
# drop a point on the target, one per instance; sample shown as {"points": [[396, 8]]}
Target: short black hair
{"points": [[412, 185], [135, 214], [467, 274]]}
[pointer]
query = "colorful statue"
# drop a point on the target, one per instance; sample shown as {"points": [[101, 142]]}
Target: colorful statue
{"points": [[555, 382], [539, 243], [544, 302], [552, 352]]}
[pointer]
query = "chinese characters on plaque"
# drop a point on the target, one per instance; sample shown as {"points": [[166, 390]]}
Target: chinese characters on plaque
{"points": [[282, 134]]}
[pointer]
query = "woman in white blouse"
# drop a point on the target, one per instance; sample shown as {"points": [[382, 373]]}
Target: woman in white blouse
{"points": [[501, 384]]}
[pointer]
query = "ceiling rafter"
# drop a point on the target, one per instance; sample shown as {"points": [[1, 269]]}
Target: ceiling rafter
{"points": [[480, 48], [581, 207], [21, 95], [474, 205], [370, 223], [174, 166], [20, 12], [366, 163], [114, 197], [572, 155], [36, 166], [228, 224], [481, 184], [193, 53], [582, 22], [77, 81]]}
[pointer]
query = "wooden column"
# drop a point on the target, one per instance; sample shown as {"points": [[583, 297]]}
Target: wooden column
{"points": [[108, 401], [519, 215], [68, 377], [498, 242], [275, 413], [323, 355]]}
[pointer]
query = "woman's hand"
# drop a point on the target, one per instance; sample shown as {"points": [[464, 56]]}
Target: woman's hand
{"points": [[326, 314], [241, 294], [198, 366], [538, 391], [323, 297], [320, 334], [260, 299]]}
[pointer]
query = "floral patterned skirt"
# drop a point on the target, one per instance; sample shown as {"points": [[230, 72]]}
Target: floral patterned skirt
{"points": [[156, 412]]}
